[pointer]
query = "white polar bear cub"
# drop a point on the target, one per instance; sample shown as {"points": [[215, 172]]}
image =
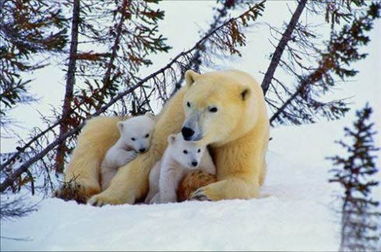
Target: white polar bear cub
{"points": [[135, 135], [179, 158]]}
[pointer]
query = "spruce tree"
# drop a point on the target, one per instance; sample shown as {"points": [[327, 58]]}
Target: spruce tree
{"points": [[355, 173], [28, 30]]}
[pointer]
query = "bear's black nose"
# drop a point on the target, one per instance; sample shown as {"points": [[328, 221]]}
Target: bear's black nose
{"points": [[194, 163], [142, 149], [187, 133]]}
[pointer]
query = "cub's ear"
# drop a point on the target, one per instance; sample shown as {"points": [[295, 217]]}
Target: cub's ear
{"points": [[120, 126], [245, 93], [171, 139], [150, 115], [190, 77]]}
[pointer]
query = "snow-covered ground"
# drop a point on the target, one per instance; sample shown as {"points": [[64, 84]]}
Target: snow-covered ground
{"points": [[296, 211]]}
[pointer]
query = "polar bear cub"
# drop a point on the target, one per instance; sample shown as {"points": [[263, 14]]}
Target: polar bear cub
{"points": [[179, 158], [135, 135]]}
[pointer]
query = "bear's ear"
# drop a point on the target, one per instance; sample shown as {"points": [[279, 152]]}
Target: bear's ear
{"points": [[120, 126], [245, 93], [190, 77], [150, 115], [171, 139]]}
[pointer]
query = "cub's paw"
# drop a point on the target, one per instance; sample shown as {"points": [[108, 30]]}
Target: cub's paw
{"points": [[155, 199]]}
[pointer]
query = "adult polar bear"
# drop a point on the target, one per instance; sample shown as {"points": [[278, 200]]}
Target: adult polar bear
{"points": [[225, 109]]}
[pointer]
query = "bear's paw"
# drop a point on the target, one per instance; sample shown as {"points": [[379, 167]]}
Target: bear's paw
{"points": [[199, 195], [72, 191]]}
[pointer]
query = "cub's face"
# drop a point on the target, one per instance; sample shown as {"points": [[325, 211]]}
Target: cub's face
{"points": [[187, 153], [136, 132], [213, 107]]}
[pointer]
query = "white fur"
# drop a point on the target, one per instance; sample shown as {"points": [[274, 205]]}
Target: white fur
{"points": [[166, 174], [135, 135], [134, 131]]}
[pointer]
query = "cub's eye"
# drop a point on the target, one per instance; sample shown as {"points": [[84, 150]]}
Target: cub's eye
{"points": [[199, 150], [188, 104], [185, 151], [147, 136], [133, 138], [213, 109]]}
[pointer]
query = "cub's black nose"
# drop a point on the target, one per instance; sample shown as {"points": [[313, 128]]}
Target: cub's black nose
{"points": [[194, 163], [187, 133], [142, 149]]}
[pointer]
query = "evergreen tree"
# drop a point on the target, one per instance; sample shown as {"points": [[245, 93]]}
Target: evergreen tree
{"points": [[28, 29], [123, 35], [317, 69], [360, 220]]}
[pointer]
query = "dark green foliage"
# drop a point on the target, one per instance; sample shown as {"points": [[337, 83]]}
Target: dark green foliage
{"points": [[28, 28], [356, 175], [124, 35]]}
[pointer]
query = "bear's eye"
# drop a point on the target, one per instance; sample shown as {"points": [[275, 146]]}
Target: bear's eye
{"points": [[213, 109], [185, 151], [133, 138], [199, 150], [147, 136], [188, 104]]}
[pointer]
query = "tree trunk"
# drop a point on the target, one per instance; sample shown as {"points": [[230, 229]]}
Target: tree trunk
{"points": [[114, 49], [282, 45], [70, 82]]}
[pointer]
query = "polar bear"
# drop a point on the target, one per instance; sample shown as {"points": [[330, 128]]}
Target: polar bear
{"points": [[224, 109], [192, 181], [179, 158], [135, 135]]}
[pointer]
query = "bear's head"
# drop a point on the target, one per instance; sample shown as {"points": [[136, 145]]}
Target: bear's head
{"points": [[136, 132], [186, 153], [219, 106]]}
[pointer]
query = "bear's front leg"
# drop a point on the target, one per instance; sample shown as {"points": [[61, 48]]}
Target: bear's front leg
{"points": [[168, 183], [129, 184], [230, 188]]}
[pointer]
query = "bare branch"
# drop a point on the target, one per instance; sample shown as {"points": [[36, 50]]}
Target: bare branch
{"points": [[282, 45]]}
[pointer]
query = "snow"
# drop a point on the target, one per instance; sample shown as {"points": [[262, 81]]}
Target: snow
{"points": [[296, 211]]}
